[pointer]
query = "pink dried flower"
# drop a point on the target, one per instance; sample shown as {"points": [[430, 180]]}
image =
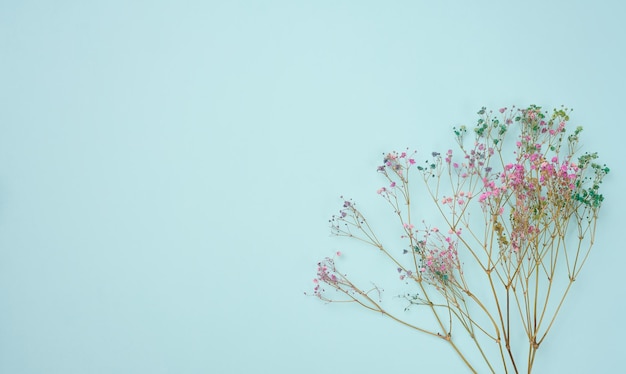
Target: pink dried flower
{"points": [[526, 200]]}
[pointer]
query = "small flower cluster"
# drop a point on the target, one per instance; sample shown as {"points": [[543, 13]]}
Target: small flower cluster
{"points": [[387, 190], [439, 257], [397, 163], [405, 274], [459, 199], [341, 224], [327, 274]]}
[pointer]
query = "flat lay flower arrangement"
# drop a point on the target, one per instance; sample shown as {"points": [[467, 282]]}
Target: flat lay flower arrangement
{"points": [[517, 202]]}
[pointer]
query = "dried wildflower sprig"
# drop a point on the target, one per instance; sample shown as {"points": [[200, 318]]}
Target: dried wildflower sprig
{"points": [[539, 206]]}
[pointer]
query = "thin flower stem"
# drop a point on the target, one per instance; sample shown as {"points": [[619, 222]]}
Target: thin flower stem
{"points": [[556, 312]]}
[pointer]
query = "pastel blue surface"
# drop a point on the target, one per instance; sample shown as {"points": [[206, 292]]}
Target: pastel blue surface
{"points": [[168, 168]]}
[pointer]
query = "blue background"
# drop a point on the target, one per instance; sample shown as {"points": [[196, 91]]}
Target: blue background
{"points": [[167, 170]]}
